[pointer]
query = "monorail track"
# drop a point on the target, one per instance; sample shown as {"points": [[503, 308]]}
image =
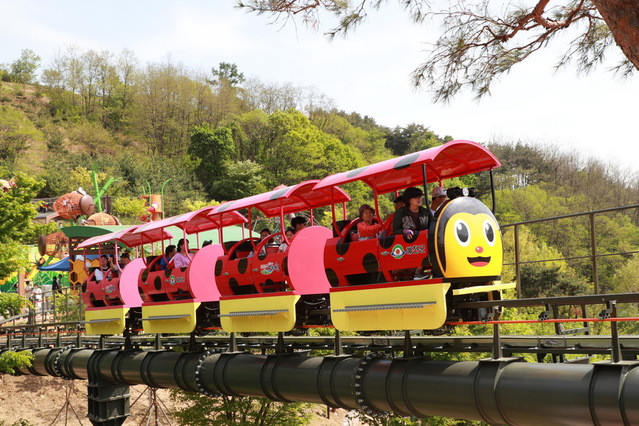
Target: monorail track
{"points": [[358, 345], [66, 334], [377, 373]]}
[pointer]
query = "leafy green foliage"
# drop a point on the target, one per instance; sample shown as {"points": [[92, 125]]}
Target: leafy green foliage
{"points": [[23, 70], [10, 361], [17, 133], [227, 73], [68, 306], [243, 178], [128, 209], [16, 213], [542, 281], [11, 304], [214, 149], [413, 137], [370, 141], [202, 410]]}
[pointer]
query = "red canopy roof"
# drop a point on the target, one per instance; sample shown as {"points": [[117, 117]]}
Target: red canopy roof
{"points": [[129, 237], [290, 199], [194, 222], [455, 158]]}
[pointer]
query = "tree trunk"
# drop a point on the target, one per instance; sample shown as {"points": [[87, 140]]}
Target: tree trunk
{"points": [[622, 17]]}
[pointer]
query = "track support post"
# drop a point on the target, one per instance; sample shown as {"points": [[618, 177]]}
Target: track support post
{"points": [[611, 312], [337, 347]]}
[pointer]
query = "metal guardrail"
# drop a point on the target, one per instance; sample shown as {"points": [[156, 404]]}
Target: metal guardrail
{"points": [[593, 256], [53, 306]]}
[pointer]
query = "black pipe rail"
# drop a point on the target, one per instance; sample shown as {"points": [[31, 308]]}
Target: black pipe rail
{"points": [[496, 391]]}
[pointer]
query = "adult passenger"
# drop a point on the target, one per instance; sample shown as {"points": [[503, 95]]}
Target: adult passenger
{"points": [[105, 269], [412, 217], [298, 223], [125, 259], [181, 258], [398, 202], [289, 236], [438, 199]]}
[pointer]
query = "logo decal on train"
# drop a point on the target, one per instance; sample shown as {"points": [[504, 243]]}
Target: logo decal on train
{"points": [[174, 280], [398, 250], [269, 268]]}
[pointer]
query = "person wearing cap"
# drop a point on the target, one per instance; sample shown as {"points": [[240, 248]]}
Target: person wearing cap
{"points": [[125, 259], [412, 217], [366, 228], [438, 199]]}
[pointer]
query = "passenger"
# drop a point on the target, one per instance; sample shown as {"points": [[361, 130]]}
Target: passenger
{"points": [[366, 228], [169, 252], [298, 223], [264, 233], [412, 217], [181, 258], [438, 199], [207, 243], [125, 259], [289, 236], [399, 203], [105, 269]]}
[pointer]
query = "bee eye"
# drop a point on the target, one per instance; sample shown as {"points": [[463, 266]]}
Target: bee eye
{"points": [[489, 232], [462, 233]]}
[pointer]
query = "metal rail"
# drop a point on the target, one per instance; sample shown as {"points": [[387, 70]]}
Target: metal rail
{"points": [[593, 256], [392, 345]]}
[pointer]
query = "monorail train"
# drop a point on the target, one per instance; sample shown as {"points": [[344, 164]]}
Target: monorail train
{"points": [[321, 277]]}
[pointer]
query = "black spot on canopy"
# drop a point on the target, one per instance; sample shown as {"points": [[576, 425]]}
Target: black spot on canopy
{"points": [[225, 206], [356, 172], [406, 161], [279, 193]]}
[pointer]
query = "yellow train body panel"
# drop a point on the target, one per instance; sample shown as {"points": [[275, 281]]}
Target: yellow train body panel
{"points": [[170, 317], [259, 314], [414, 307], [105, 320]]}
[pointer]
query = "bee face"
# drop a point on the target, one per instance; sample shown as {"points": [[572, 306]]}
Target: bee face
{"points": [[468, 240]]}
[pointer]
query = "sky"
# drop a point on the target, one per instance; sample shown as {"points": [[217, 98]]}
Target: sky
{"points": [[368, 72]]}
